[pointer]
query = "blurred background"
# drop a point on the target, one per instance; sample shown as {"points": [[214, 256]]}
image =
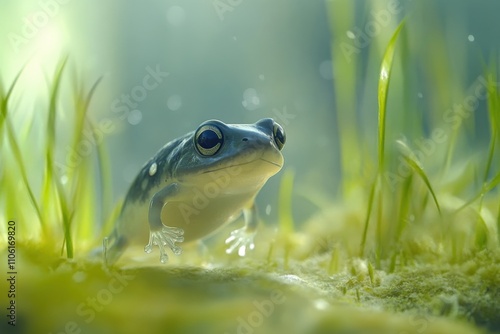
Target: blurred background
{"points": [[311, 65], [235, 62]]}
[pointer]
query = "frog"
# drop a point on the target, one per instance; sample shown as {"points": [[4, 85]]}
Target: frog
{"points": [[197, 184]]}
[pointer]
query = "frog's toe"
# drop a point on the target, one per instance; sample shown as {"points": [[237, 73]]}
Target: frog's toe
{"points": [[242, 240], [166, 237]]}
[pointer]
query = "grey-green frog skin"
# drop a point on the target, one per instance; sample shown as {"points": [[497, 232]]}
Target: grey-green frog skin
{"points": [[196, 184]]}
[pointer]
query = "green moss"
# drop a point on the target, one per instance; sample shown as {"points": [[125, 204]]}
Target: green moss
{"points": [[301, 299]]}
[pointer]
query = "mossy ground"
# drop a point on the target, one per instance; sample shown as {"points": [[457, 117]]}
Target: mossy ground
{"points": [[226, 294]]}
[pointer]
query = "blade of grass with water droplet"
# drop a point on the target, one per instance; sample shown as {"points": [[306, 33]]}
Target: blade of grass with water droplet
{"points": [[383, 91]]}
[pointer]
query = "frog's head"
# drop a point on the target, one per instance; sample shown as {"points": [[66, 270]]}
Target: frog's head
{"points": [[247, 154]]}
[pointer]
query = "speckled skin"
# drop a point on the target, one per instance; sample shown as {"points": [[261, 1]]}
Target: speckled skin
{"points": [[181, 194]]}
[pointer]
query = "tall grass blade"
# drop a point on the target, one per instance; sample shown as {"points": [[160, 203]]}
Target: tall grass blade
{"points": [[4, 99], [367, 218], [383, 92], [51, 196]]}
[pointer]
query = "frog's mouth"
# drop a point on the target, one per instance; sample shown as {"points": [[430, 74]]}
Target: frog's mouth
{"points": [[243, 164], [272, 163], [272, 159]]}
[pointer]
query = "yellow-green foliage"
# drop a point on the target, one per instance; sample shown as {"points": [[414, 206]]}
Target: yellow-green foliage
{"points": [[65, 195]]}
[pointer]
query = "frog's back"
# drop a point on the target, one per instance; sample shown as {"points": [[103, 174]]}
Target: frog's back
{"points": [[158, 170], [132, 225]]}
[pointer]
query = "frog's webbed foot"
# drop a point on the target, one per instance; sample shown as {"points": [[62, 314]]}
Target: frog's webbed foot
{"points": [[242, 240], [166, 236]]}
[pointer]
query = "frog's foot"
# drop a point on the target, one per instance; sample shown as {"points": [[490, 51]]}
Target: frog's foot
{"points": [[242, 240], [166, 236]]}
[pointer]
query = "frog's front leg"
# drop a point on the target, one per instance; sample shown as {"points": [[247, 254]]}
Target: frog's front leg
{"points": [[159, 234], [242, 239]]}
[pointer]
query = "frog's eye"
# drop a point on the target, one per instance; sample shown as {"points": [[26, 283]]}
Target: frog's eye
{"points": [[208, 139], [279, 136]]}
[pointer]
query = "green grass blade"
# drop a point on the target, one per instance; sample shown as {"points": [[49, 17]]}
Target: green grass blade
{"points": [[15, 148], [84, 195], [494, 119], [346, 66], [404, 207], [105, 177], [420, 172], [5, 98], [383, 92], [110, 221], [22, 169], [481, 232], [55, 195], [367, 218], [488, 186]]}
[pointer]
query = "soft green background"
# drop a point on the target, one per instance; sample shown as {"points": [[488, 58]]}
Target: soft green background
{"points": [[424, 268]]}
